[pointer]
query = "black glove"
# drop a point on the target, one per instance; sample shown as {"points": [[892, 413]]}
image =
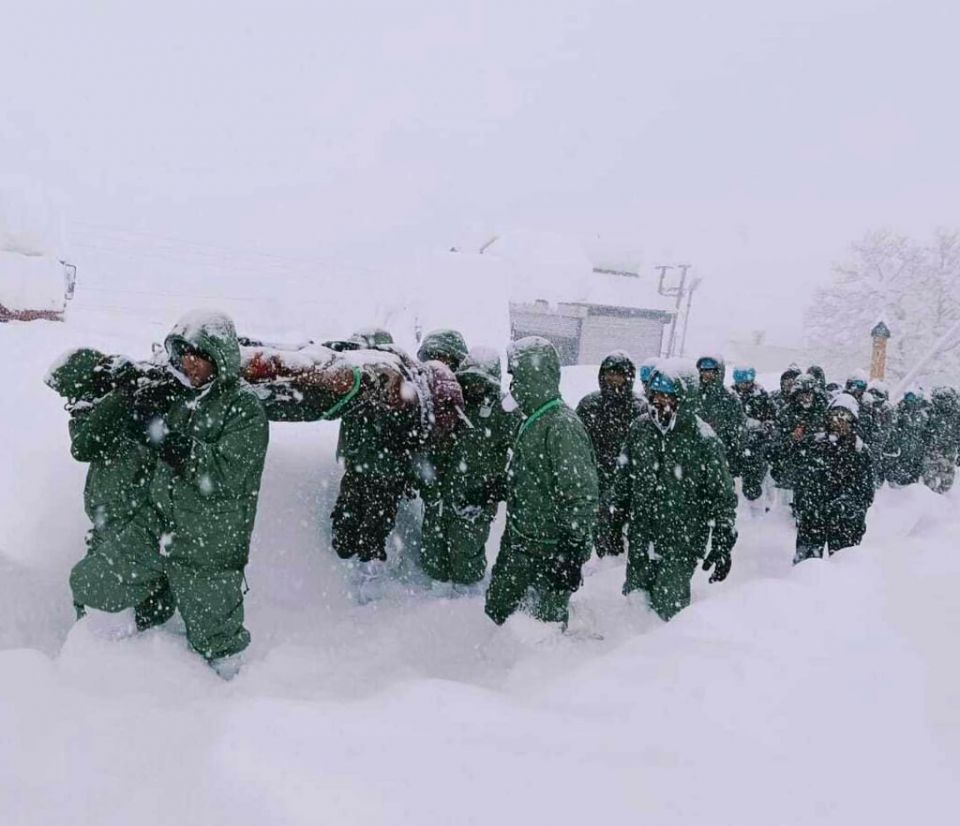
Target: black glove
{"points": [[724, 538], [721, 562], [564, 572], [175, 450]]}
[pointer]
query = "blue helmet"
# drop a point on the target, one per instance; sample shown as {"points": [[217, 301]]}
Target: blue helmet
{"points": [[664, 384], [708, 363], [646, 370], [744, 375]]}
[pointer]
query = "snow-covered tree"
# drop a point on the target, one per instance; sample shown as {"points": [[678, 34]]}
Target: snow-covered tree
{"points": [[914, 287]]}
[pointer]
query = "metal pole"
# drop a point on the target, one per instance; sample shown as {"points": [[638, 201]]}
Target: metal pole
{"points": [[676, 311], [686, 315]]}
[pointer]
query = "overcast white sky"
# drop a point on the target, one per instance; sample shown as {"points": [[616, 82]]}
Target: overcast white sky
{"points": [[752, 139]]}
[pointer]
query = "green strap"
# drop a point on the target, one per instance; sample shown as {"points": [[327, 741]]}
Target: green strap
{"points": [[346, 399], [536, 415]]}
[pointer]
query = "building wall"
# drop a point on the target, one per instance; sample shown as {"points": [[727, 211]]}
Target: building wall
{"points": [[641, 338]]}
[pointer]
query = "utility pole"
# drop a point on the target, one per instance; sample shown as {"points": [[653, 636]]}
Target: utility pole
{"points": [[686, 315], [673, 292]]}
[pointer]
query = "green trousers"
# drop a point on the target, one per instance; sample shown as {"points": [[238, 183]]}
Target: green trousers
{"points": [[126, 569], [455, 541], [523, 573], [664, 573]]}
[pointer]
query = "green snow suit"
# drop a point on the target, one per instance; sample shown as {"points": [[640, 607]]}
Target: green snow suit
{"points": [[205, 496], [675, 490], [721, 409], [470, 478], [761, 414], [551, 493], [904, 451]]}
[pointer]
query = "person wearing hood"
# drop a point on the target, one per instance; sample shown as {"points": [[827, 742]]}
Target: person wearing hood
{"points": [[798, 426], [941, 439], [876, 402], [446, 346], [551, 494], [211, 444], [781, 397], [470, 477], [721, 409], [761, 421], [607, 415], [104, 397], [837, 490], [903, 457], [675, 490]]}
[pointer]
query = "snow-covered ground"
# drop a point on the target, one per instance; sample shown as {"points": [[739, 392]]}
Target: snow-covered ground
{"points": [[827, 693]]}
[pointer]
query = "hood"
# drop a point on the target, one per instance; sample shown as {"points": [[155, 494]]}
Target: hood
{"points": [[818, 373], [721, 367], [619, 362], [481, 365], [443, 345], [944, 399], [535, 366], [212, 334], [845, 401], [372, 337]]}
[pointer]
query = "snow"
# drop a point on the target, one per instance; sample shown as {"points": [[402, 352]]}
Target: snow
{"points": [[819, 694], [847, 402]]}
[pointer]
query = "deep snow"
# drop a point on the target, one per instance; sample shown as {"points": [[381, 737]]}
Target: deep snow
{"points": [[817, 695]]}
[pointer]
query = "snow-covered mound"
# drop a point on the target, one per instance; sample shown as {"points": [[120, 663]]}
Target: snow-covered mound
{"points": [[823, 694]]}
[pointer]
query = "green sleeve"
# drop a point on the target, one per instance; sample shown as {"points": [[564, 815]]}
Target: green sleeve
{"points": [[719, 495], [230, 467], [574, 483], [100, 431]]}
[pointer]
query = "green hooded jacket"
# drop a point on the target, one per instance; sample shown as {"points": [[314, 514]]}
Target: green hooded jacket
{"points": [[552, 478], [212, 501], [99, 394], [674, 485], [722, 410], [476, 468], [447, 346]]}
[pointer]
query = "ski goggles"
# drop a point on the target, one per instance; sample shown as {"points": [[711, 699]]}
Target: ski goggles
{"points": [[663, 384], [744, 375], [856, 384]]}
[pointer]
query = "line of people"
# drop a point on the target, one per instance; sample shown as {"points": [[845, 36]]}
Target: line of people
{"points": [[176, 451]]}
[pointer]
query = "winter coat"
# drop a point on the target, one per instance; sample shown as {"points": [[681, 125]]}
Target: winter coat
{"points": [[101, 406], [476, 470], [761, 416], [793, 455], [721, 409], [552, 478], [838, 486], [212, 500], [675, 486], [904, 450], [607, 417]]}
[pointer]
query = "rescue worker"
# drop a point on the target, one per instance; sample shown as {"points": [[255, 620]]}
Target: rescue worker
{"points": [[903, 457], [470, 477], [722, 410], [761, 415], [833, 496], [211, 444], [678, 497], [607, 414], [551, 494]]}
